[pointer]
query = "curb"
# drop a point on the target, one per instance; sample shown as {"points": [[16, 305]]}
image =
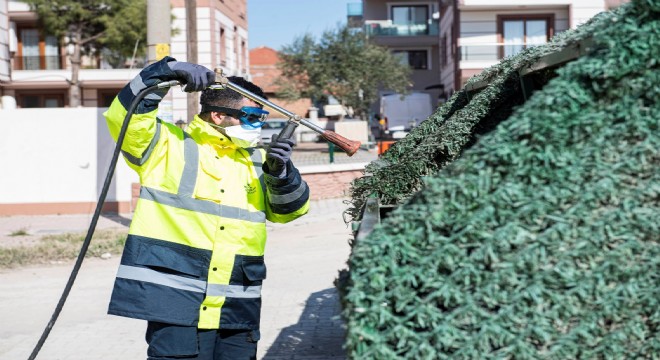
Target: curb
{"points": [[327, 168]]}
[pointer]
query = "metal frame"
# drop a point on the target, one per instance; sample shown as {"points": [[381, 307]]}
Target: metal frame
{"points": [[567, 54]]}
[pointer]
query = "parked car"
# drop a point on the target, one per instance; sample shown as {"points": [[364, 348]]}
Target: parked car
{"points": [[274, 126]]}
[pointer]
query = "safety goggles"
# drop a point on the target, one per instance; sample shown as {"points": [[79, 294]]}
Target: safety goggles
{"points": [[252, 117]]}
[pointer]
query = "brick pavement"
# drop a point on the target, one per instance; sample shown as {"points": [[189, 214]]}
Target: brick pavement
{"points": [[300, 315], [307, 154], [328, 180]]}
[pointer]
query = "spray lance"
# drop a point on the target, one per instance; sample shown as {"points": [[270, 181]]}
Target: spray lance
{"points": [[349, 146]]}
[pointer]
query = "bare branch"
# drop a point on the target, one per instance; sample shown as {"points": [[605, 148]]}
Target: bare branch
{"points": [[92, 38]]}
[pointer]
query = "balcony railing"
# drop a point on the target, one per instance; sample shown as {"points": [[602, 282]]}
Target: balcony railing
{"points": [[354, 15], [490, 52], [387, 28], [354, 9], [38, 62]]}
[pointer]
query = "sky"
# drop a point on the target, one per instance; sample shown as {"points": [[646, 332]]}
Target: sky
{"points": [[275, 23]]}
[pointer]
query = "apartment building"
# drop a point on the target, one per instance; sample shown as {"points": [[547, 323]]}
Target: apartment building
{"points": [[34, 67], [38, 69], [222, 41], [476, 34], [410, 29], [4, 42]]}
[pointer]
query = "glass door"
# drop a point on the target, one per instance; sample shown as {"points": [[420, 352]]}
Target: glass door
{"points": [[410, 20], [518, 34], [30, 50], [52, 54]]}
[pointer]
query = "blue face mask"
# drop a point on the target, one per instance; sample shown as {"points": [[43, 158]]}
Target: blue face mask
{"points": [[250, 117]]}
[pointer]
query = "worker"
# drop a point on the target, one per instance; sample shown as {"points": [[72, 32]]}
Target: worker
{"points": [[383, 123], [193, 263]]}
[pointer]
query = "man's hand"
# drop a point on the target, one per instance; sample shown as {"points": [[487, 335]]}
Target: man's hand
{"points": [[278, 155], [196, 77]]}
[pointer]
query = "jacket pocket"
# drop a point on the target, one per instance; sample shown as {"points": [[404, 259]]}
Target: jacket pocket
{"points": [[208, 182], [254, 268], [170, 341], [172, 259]]}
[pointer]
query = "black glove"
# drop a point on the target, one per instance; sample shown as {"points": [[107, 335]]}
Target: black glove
{"points": [[278, 155], [196, 77]]}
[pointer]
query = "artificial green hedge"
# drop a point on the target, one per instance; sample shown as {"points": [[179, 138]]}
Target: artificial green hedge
{"points": [[441, 138], [542, 240]]}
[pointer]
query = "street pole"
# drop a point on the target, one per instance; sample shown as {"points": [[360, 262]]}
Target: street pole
{"points": [[159, 20], [158, 29], [191, 48]]}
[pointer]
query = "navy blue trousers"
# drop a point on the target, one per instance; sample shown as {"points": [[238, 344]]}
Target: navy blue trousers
{"points": [[168, 341]]}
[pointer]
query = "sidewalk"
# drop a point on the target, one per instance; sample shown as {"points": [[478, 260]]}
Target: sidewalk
{"points": [[300, 314]]}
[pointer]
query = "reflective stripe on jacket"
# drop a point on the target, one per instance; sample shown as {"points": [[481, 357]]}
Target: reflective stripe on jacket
{"points": [[194, 253]]}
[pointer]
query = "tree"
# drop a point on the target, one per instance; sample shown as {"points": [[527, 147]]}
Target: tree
{"points": [[90, 26], [344, 64]]}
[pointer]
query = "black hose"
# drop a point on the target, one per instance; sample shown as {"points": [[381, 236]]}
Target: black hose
{"points": [[95, 219]]}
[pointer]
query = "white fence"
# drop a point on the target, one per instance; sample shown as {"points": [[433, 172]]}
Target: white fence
{"points": [[57, 156]]}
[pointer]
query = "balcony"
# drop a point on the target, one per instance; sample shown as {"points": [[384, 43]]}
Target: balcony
{"points": [[354, 9], [490, 52], [37, 62], [105, 78], [354, 15], [387, 28]]}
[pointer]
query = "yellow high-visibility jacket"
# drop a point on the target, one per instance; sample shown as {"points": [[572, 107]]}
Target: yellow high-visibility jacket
{"points": [[194, 255]]}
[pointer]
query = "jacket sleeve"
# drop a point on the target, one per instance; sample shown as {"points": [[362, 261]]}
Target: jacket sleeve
{"points": [[144, 129], [286, 198]]}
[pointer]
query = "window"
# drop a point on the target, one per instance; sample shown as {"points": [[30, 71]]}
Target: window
{"points": [[37, 52], [223, 48], [519, 32], [410, 20], [40, 100], [243, 58], [106, 96], [416, 59], [410, 15]]}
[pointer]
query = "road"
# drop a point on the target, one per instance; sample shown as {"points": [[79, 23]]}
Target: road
{"points": [[300, 314]]}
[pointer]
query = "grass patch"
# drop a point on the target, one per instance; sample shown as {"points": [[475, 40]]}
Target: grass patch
{"points": [[62, 247], [19, 232]]}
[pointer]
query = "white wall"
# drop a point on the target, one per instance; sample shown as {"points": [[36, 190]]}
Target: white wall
{"points": [[583, 10], [58, 155], [17, 5], [229, 50]]}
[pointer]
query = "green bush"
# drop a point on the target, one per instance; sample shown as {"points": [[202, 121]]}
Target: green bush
{"points": [[540, 241]]}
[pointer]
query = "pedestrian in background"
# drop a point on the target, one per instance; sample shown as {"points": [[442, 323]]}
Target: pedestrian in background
{"points": [[193, 263]]}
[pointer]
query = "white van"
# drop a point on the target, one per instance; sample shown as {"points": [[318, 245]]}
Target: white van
{"points": [[404, 112]]}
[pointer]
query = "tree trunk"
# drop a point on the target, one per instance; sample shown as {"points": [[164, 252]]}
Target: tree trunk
{"points": [[75, 90]]}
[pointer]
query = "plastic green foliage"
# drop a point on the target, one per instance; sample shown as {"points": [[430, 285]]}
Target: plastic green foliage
{"points": [[541, 241], [440, 139]]}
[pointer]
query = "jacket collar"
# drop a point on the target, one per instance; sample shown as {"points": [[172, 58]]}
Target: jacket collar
{"points": [[203, 132]]}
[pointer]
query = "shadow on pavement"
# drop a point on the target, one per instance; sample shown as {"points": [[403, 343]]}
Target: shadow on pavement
{"points": [[319, 333], [119, 219]]}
